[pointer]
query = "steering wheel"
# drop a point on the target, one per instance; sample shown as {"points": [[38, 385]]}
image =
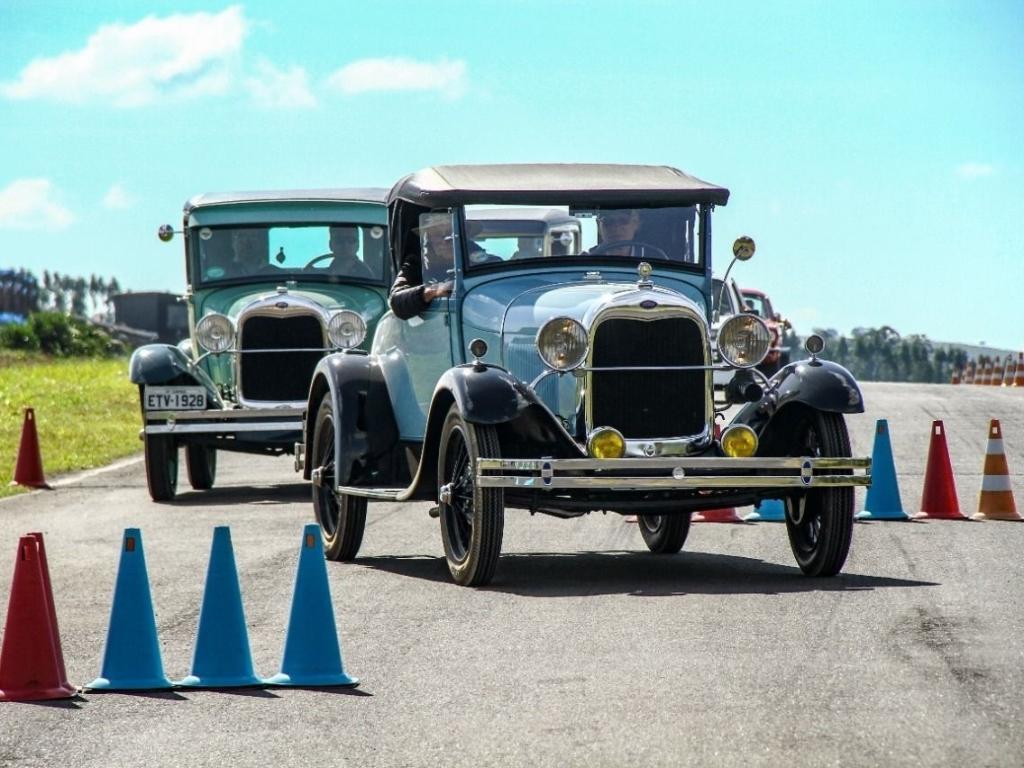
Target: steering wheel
{"points": [[318, 259], [602, 248]]}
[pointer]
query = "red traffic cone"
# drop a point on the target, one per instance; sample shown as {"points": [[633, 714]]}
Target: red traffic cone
{"points": [[29, 469], [1018, 379], [31, 661], [939, 497], [996, 499], [955, 377]]}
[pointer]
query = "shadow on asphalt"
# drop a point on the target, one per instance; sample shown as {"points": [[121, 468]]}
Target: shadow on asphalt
{"points": [[280, 493], [574, 574]]}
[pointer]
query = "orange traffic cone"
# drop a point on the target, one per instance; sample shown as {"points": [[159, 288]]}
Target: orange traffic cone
{"points": [[997, 373], [955, 378], [986, 374], [939, 500], [1018, 379], [1010, 374], [969, 374], [29, 469], [996, 499]]}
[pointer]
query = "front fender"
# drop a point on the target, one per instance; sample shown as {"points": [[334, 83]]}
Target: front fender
{"points": [[164, 364], [365, 427], [820, 384]]}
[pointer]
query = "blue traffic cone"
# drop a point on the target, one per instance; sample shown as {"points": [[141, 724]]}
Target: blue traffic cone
{"points": [[222, 657], [883, 499], [312, 656], [768, 511], [131, 659]]}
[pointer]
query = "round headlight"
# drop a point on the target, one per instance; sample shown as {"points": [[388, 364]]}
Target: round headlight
{"points": [[739, 441], [215, 333], [562, 343], [606, 443], [743, 340], [346, 329]]}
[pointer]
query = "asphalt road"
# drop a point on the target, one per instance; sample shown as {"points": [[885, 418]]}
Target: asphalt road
{"points": [[586, 650]]}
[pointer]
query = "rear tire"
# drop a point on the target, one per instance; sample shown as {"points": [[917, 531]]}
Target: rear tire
{"points": [[472, 518], [342, 517], [201, 463], [664, 534], [820, 522], [161, 467]]}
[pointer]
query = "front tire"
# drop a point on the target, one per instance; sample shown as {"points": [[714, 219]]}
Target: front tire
{"points": [[664, 534], [820, 522], [472, 518], [342, 517], [201, 463], [161, 467]]}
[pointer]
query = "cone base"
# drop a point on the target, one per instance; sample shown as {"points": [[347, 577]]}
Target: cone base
{"points": [[893, 514], [313, 680], [938, 516], [725, 515], [65, 691], [1009, 517], [213, 681], [40, 485], [138, 684], [770, 511]]}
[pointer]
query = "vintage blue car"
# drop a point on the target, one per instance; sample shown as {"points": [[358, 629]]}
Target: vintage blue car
{"points": [[276, 280], [572, 380]]}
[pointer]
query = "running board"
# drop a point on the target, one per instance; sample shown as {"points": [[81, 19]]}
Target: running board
{"points": [[383, 494]]}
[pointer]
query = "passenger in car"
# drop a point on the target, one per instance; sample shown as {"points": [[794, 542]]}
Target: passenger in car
{"points": [[252, 254]]}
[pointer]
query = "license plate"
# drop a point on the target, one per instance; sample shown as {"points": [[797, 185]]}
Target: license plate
{"points": [[174, 398]]}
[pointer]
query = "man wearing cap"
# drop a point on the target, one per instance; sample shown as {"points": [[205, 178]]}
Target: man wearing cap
{"points": [[425, 276]]}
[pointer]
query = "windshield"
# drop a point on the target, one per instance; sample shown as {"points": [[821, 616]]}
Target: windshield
{"points": [[759, 304], [504, 233], [335, 253]]}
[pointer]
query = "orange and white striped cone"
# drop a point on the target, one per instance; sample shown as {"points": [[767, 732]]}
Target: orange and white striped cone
{"points": [[1018, 379], [997, 373], [969, 374], [955, 377], [1010, 373], [980, 378], [996, 499]]}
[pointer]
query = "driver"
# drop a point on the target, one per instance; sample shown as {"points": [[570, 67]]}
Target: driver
{"points": [[425, 276], [618, 226], [344, 245]]}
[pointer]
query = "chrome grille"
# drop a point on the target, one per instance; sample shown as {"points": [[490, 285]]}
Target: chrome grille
{"points": [[280, 375], [648, 404]]}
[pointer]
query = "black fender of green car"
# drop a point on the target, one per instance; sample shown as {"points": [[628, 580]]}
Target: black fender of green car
{"points": [[818, 384], [167, 365]]}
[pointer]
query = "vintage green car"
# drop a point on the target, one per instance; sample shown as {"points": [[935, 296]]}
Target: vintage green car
{"points": [[571, 381], [276, 280]]}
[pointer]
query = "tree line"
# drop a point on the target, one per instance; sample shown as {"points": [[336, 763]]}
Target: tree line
{"points": [[21, 292], [883, 354]]}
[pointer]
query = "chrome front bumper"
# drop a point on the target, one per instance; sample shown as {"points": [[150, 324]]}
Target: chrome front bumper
{"points": [[223, 422], [671, 473]]}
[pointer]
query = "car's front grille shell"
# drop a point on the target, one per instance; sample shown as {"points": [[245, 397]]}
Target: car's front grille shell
{"points": [[646, 404], [280, 375]]}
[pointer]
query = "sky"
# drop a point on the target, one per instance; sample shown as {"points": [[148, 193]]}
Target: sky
{"points": [[875, 151]]}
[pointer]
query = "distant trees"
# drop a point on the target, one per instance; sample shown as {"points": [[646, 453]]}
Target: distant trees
{"points": [[882, 354], [76, 295]]}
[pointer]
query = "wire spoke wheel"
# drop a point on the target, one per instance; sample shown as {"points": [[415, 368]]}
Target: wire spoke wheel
{"points": [[342, 517], [472, 518], [820, 521]]}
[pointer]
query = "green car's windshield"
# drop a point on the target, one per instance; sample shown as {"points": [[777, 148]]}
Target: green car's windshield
{"points": [[338, 253], [508, 234]]}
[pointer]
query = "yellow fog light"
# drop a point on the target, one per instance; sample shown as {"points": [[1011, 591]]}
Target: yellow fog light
{"points": [[739, 441], [606, 443]]}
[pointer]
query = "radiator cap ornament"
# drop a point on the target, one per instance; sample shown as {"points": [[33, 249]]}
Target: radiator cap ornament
{"points": [[644, 270]]}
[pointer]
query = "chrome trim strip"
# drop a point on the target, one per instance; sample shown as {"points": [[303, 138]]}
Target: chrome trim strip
{"points": [[695, 463], [649, 483], [234, 413], [383, 494], [174, 428]]}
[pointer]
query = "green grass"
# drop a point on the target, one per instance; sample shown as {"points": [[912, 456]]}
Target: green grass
{"points": [[87, 412]]}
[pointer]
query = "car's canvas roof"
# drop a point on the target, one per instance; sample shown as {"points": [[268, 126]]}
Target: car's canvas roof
{"points": [[357, 195], [546, 215], [554, 184]]}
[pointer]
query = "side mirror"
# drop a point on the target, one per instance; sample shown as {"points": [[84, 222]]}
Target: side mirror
{"points": [[743, 248], [165, 233]]}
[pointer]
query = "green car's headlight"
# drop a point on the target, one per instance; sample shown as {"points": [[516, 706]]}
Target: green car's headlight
{"points": [[215, 333], [347, 329], [743, 340], [562, 343]]}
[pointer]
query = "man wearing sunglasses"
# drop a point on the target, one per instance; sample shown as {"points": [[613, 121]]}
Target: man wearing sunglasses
{"points": [[618, 226]]}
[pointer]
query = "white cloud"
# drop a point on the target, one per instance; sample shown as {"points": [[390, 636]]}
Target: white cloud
{"points": [[131, 65], [398, 74], [29, 204], [974, 170], [272, 87], [117, 198]]}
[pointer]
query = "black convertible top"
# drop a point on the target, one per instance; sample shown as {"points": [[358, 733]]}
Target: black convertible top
{"points": [[554, 184], [355, 195]]}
